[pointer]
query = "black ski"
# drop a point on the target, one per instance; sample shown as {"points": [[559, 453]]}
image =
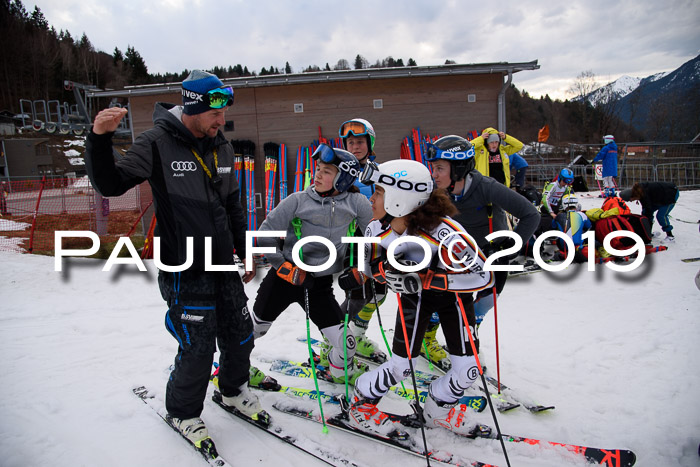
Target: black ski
{"points": [[206, 449], [607, 457], [340, 422], [309, 447]]}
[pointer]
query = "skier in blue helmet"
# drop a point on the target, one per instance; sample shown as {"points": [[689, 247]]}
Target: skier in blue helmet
{"points": [[482, 203], [327, 209], [555, 190]]}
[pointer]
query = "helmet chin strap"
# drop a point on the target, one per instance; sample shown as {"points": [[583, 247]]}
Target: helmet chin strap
{"points": [[386, 220], [325, 194]]}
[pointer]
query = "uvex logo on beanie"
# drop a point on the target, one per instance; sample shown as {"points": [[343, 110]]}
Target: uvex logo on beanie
{"points": [[194, 88]]}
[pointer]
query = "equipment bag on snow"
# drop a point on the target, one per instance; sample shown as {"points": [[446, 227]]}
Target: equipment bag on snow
{"points": [[640, 225], [613, 224], [614, 202]]}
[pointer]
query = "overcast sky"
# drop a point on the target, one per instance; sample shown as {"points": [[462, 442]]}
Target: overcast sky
{"points": [[610, 38]]}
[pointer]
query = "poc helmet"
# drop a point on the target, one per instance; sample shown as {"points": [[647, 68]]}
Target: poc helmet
{"points": [[569, 201], [358, 127], [346, 163], [407, 185], [567, 176], [607, 139], [457, 151]]}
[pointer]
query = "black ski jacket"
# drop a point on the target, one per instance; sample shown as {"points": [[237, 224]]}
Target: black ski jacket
{"points": [[187, 203], [485, 193]]}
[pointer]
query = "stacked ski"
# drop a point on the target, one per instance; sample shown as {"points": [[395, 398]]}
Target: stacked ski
{"points": [[271, 154], [282, 157]]}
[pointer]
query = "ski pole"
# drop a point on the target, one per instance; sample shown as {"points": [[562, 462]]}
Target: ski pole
{"points": [[481, 373], [381, 329], [419, 410], [311, 358], [489, 208]]}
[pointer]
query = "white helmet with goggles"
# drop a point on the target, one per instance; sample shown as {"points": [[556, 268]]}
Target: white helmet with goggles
{"points": [[407, 185]]}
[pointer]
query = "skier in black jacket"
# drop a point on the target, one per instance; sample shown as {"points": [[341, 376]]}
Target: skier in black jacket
{"points": [[659, 197], [188, 163], [482, 203]]}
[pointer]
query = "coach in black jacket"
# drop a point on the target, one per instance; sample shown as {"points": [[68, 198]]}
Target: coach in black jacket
{"points": [[188, 163]]}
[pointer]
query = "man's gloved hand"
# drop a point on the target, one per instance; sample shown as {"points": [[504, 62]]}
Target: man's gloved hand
{"points": [[295, 275], [499, 244], [351, 279]]}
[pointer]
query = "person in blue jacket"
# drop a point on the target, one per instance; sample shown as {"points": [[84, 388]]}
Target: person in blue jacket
{"points": [[608, 155], [518, 169]]}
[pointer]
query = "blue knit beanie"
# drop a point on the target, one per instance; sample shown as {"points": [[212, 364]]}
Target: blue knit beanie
{"points": [[194, 88]]}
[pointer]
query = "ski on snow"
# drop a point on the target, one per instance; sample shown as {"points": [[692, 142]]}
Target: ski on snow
{"points": [[607, 457], [302, 370], [206, 449], [423, 379], [310, 447], [410, 446]]}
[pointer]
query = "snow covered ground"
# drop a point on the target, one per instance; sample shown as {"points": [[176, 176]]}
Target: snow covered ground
{"points": [[615, 352]]}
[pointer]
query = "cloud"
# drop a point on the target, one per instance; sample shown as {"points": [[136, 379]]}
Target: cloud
{"points": [[635, 38]]}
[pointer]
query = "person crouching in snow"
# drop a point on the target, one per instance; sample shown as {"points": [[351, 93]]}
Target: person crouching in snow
{"points": [[574, 223], [326, 209], [405, 204]]}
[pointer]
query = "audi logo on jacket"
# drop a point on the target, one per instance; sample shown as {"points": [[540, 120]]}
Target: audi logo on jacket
{"points": [[187, 203]]}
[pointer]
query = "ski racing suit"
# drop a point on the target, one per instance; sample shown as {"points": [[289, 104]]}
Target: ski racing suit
{"points": [[437, 296]]}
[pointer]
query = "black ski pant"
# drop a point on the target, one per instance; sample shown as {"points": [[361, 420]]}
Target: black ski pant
{"points": [[417, 310], [276, 294], [203, 308]]}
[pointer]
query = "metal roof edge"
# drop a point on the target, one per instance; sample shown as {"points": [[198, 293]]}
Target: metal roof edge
{"points": [[332, 76]]}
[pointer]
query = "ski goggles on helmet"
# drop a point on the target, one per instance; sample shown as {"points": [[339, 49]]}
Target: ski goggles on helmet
{"points": [[371, 175], [325, 153], [353, 128], [219, 98], [454, 154]]}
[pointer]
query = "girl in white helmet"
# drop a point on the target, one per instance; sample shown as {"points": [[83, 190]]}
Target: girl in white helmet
{"points": [[404, 204]]}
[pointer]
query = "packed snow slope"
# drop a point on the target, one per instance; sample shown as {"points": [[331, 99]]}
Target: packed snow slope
{"points": [[616, 353]]}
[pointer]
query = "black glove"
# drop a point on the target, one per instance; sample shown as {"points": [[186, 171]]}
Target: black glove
{"points": [[377, 268], [351, 279], [500, 244]]}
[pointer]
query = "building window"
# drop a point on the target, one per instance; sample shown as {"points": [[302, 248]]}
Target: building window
{"points": [[298, 108], [471, 98], [378, 103]]}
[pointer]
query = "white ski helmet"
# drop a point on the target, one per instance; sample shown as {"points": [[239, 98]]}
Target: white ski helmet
{"points": [[570, 201], [407, 185], [607, 139]]}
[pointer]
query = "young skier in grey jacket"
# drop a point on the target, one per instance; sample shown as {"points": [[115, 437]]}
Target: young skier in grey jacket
{"points": [[326, 209]]}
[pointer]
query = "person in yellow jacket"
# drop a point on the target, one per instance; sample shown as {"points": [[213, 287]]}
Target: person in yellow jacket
{"points": [[491, 151]]}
